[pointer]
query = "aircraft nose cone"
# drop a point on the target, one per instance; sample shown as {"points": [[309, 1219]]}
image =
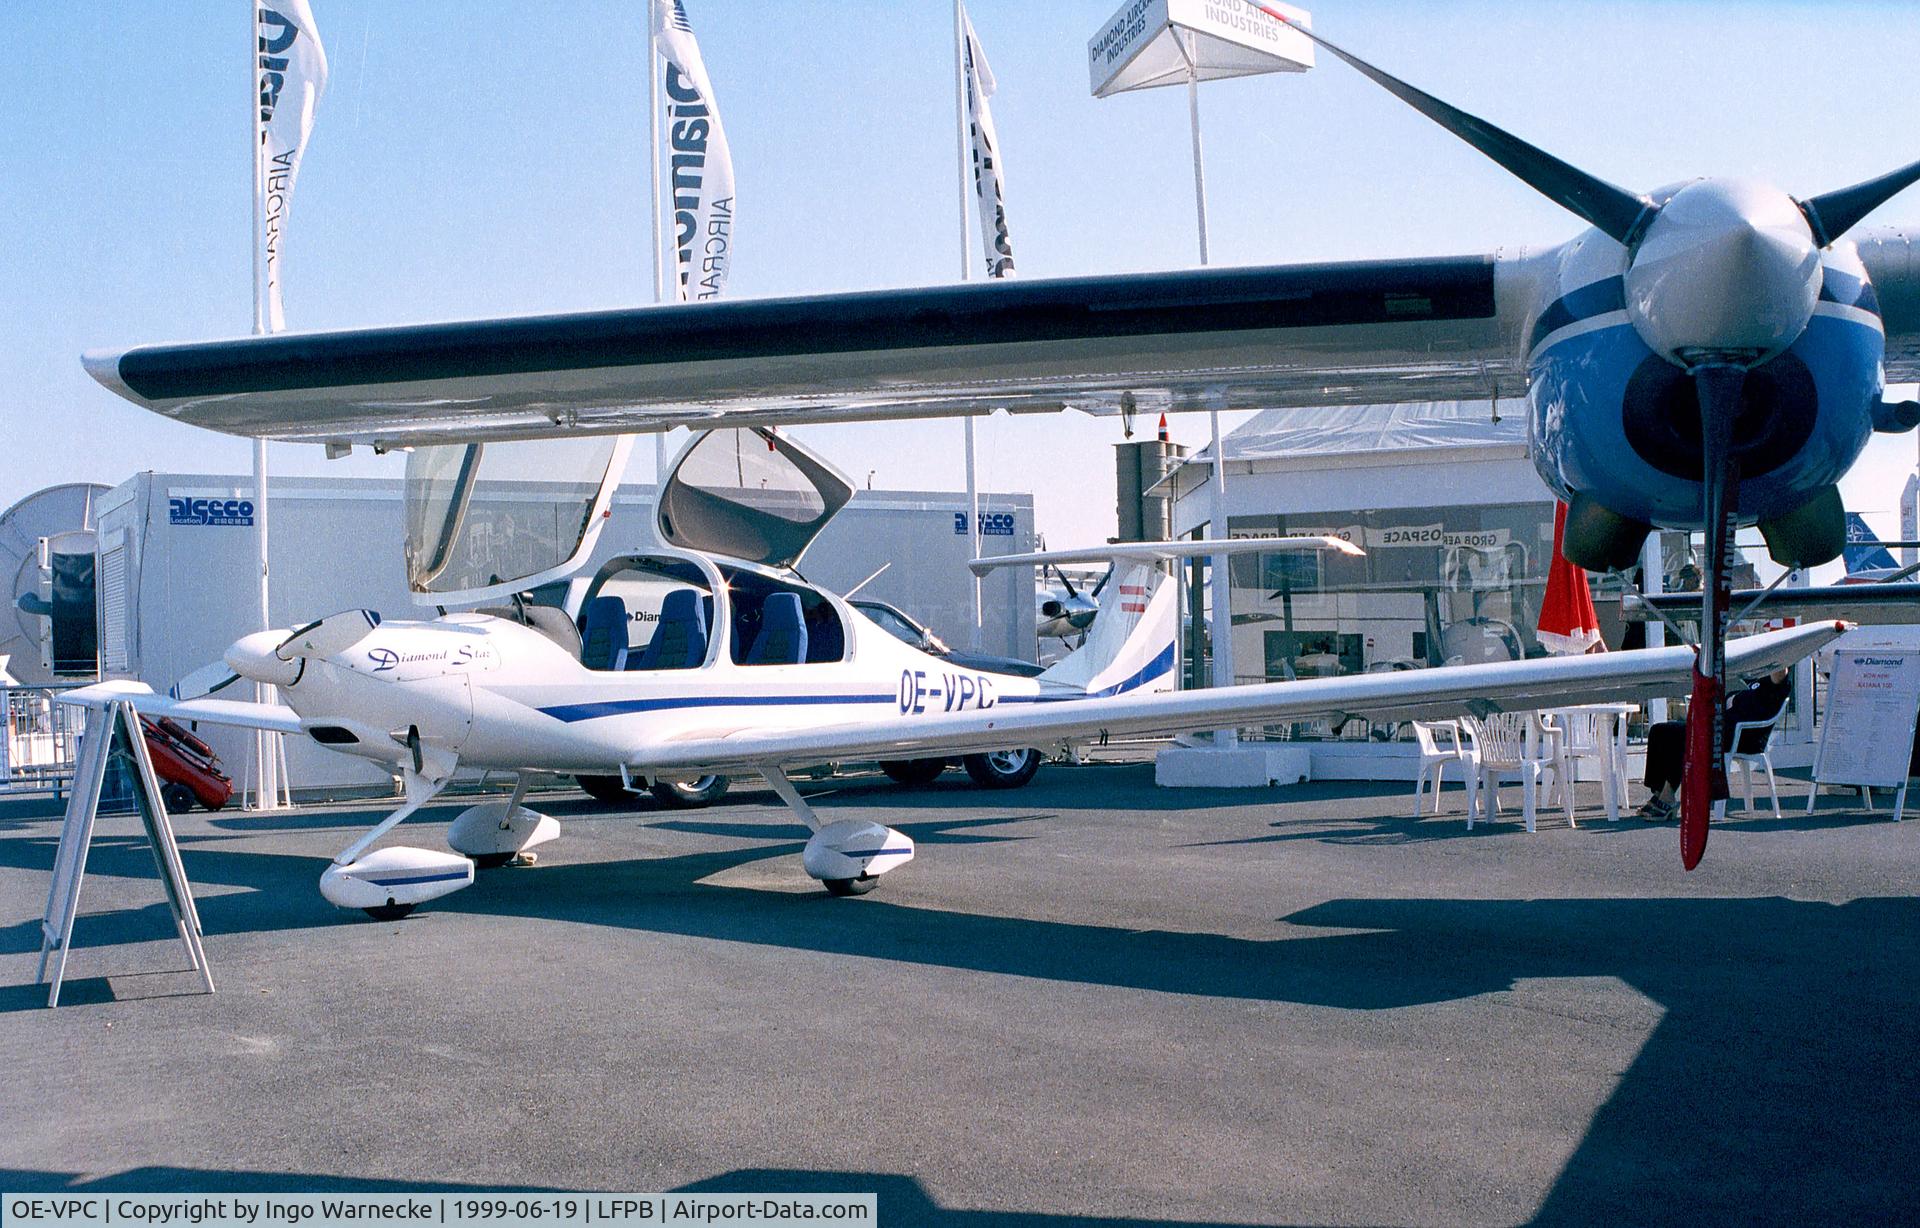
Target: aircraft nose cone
{"points": [[255, 658], [1726, 269]]}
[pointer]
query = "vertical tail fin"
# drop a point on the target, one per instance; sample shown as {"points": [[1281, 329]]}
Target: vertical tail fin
{"points": [[1130, 645], [1863, 551]]}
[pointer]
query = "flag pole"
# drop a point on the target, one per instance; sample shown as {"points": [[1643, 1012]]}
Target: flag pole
{"points": [[963, 158], [1220, 578], [267, 747], [659, 237]]}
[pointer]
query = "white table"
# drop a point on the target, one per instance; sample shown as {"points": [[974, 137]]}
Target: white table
{"points": [[1611, 747]]}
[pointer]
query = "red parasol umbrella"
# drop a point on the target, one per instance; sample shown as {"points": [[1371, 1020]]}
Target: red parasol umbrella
{"points": [[1567, 621]]}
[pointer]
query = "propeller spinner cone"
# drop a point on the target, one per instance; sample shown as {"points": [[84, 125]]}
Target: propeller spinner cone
{"points": [[257, 658], [1726, 269]]}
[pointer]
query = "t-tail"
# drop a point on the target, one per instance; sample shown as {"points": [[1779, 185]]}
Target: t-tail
{"points": [[1130, 646]]}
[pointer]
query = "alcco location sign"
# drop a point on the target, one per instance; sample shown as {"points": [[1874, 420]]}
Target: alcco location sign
{"points": [[1171, 42]]}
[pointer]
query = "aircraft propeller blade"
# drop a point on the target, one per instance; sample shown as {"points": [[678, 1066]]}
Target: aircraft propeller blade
{"points": [[1832, 214], [334, 633], [1704, 777], [1612, 210], [205, 681]]}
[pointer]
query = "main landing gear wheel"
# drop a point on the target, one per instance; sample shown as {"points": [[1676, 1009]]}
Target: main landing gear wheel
{"points": [[1003, 769], [491, 861], [608, 789], [690, 794], [914, 772], [850, 886], [388, 911]]}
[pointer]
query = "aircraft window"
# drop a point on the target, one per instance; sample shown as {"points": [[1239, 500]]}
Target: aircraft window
{"points": [[484, 514], [776, 623], [646, 614], [891, 622], [741, 468]]}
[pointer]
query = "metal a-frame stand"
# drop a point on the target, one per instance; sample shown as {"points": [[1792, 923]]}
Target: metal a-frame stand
{"points": [[113, 730]]}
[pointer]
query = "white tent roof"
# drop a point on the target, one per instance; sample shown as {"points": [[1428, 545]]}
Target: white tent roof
{"points": [[1141, 46], [1287, 434]]}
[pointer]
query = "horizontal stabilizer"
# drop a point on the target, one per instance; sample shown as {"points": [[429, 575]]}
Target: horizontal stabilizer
{"points": [[1117, 552]]}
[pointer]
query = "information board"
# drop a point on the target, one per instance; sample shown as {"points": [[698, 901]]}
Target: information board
{"points": [[1867, 737]]}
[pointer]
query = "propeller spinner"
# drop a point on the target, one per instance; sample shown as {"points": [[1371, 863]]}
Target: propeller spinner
{"points": [[277, 658]]}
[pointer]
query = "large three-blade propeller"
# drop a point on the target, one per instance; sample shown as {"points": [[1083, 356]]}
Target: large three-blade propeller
{"points": [[1720, 278], [1614, 211]]}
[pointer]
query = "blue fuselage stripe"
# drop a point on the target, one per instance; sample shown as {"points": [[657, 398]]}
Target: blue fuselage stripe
{"points": [[1161, 664], [1595, 299], [623, 707], [418, 878]]}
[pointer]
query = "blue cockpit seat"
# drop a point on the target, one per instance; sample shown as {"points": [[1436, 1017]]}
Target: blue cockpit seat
{"points": [[783, 632], [603, 634], [680, 641]]}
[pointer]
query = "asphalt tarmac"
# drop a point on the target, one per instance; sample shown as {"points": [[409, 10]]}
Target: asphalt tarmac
{"points": [[1087, 1001]]}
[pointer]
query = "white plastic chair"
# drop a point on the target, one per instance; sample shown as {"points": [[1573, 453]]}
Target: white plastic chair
{"points": [[1500, 747], [1763, 757], [1440, 743]]}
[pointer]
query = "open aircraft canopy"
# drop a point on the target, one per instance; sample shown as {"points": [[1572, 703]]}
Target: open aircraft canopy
{"points": [[486, 520], [750, 495]]}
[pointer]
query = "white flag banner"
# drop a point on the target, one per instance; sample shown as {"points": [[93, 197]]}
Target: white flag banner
{"points": [[701, 182], [291, 67], [986, 156]]}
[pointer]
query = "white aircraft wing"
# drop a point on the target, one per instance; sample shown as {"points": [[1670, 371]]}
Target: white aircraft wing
{"points": [[1452, 691], [1224, 338], [1892, 257], [238, 712]]}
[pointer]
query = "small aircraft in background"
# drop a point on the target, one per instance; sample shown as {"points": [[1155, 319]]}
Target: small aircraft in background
{"points": [[1867, 558], [748, 669], [1061, 610]]}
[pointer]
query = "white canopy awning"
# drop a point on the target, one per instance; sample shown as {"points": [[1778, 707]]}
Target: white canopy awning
{"points": [[1150, 43], [1419, 427]]}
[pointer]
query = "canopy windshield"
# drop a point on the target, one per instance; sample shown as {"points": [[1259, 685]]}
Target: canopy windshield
{"points": [[751, 495], [488, 519]]}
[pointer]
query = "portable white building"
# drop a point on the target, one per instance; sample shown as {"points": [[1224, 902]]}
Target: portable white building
{"points": [[1458, 531]]}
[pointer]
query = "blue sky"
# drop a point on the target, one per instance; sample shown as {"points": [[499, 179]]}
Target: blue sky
{"points": [[488, 158]]}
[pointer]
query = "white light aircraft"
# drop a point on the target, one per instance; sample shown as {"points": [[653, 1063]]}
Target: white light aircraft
{"points": [[1708, 355], [748, 669]]}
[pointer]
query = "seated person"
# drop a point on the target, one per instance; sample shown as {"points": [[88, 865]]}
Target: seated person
{"points": [[1667, 741]]}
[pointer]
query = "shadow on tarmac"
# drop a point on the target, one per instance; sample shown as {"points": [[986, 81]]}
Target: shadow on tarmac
{"points": [[1778, 1086]]}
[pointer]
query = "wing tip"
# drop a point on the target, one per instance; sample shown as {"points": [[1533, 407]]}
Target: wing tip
{"points": [[104, 367]]}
